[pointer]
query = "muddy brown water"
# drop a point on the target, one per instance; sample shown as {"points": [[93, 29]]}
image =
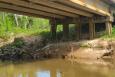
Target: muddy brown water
{"points": [[55, 68]]}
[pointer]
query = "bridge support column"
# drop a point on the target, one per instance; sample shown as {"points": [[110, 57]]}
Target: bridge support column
{"points": [[65, 30], [91, 28], [108, 27], [53, 28], [77, 28], [108, 24]]}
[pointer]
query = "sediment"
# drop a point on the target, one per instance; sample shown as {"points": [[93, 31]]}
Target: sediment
{"points": [[39, 48]]}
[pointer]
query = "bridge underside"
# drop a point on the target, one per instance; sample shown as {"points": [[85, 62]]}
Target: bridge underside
{"points": [[64, 12]]}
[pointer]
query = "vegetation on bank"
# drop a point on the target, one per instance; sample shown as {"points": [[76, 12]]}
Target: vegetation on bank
{"points": [[12, 25], [107, 37]]}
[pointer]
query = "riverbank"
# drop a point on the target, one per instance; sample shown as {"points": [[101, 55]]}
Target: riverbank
{"points": [[37, 47], [93, 49]]}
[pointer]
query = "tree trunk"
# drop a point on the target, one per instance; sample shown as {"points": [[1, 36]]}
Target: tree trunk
{"points": [[16, 20]]}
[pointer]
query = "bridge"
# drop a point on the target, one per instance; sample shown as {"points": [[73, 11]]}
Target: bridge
{"points": [[66, 12]]}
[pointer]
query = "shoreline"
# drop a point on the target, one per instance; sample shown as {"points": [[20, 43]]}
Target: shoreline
{"points": [[30, 48]]}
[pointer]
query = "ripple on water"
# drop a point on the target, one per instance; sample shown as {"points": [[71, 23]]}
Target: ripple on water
{"points": [[55, 68]]}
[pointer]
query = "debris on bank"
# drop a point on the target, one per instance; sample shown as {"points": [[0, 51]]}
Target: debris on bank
{"points": [[93, 49], [38, 48]]}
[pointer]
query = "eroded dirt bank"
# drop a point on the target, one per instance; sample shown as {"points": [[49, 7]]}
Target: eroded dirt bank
{"points": [[39, 48], [93, 49]]}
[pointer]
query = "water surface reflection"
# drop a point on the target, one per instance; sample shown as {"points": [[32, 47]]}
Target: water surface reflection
{"points": [[54, 68]]}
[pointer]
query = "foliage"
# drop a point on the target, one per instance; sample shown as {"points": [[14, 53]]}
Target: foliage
{"points": [[13, 25], [18, 42], [112, 36]]}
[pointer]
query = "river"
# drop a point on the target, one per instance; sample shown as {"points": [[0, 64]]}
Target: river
{"points": [[54, 68]]}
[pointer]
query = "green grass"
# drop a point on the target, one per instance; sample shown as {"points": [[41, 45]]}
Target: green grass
{"points": [[39, 26], [107, 37], [9, 29], [21, 32]]}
